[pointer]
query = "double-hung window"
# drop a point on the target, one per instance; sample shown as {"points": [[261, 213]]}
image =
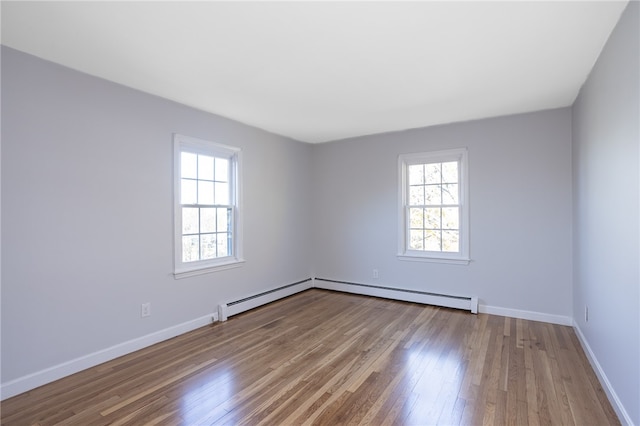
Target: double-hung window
{"points": [[207, 206], [433, 207]]}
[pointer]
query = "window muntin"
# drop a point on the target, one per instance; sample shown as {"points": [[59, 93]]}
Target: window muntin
{"points": [[207, 214], [433, 208]]}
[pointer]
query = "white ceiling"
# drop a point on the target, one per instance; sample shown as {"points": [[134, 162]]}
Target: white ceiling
{"points": [[321, 71]]}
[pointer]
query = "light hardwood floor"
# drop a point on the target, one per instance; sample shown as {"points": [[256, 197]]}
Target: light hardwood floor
{"points": [[330, 358]]}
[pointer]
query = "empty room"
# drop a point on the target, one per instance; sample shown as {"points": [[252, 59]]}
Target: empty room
{"points": [[283, 213]]}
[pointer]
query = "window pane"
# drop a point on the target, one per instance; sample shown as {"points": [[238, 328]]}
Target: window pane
{"points": [[432, 218], [188, 192], [208, 246], [207, 220], [205, 167], [416, 218], [432, 194], [432, 240], [222, 193], [416, 196], [222, 170], [224, 220], [188, 165], [190, 248], [223, 245], [450, 241], [450, 218], [450, 172], [450, 193], [432, 173], [205, 192], [416, 241], [416, 174], [189, 220]]}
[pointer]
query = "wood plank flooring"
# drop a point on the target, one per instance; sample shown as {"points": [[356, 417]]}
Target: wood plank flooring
{"points": [[328, 358]]}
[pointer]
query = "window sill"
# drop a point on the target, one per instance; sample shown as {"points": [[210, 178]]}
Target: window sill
{"points": [[431, 259], [201, 270]]}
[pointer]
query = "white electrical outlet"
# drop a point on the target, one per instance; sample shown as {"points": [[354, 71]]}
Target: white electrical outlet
{"points": [[145, 310], [375, 274]]}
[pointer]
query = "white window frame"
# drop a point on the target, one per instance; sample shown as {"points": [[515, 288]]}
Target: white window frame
{"points": [[181, 144], [404, 160]]}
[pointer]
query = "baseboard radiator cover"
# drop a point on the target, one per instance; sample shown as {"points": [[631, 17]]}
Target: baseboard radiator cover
{"points": [[449, 301], [228, 309]]}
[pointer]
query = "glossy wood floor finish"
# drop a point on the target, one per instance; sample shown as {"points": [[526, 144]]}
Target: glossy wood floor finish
{"points": [[329, 358]]}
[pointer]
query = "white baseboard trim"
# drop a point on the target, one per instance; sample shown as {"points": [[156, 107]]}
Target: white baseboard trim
{"points": [[48, 375], [527, 315], [611, 393]]}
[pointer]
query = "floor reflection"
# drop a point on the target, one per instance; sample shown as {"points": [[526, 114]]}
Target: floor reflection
{"points": [[205, 403], [434, 376]]}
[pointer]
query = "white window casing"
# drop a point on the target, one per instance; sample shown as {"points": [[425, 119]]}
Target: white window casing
{"points": [[207, 206], [433, 206]]}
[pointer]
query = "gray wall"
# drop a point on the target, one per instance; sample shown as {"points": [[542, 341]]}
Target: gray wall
{"points": [[606, 178], [87, 214], [520, 208]]}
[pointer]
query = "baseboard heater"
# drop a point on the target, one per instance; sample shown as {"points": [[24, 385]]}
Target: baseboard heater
{"points": [[229, 309], [448, 301]]}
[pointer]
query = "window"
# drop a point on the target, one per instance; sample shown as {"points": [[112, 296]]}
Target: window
{"points": [[433, 207], [207, 206]]}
